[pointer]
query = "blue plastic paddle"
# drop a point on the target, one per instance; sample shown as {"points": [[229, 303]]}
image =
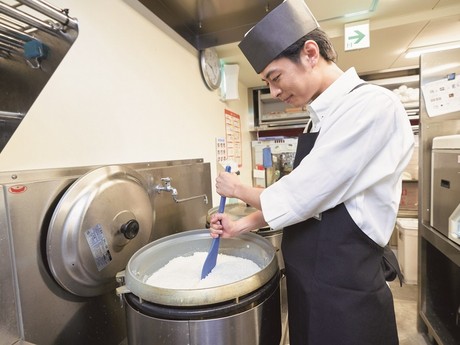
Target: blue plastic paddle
{"points": [[211, 259]]}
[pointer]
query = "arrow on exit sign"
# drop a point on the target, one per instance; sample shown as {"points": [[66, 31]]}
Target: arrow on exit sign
{"points": [[357, 38], [357, 35]]}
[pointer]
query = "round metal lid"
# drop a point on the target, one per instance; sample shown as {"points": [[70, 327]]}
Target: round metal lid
{"points": [[102, 219]]}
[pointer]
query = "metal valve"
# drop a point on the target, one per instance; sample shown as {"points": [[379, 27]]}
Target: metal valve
{"points": [[130, 229]]}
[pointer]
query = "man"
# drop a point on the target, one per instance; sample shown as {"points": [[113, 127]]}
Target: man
{"points": [[338, 206]]}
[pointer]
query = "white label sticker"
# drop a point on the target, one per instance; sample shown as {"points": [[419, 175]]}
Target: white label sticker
{"points": [[99, 247]]}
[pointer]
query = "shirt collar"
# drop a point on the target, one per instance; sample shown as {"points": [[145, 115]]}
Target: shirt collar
{"points": [[318, 109]]}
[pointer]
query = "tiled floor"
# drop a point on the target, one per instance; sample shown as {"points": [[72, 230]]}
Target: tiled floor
{"points": [[405, 300]]}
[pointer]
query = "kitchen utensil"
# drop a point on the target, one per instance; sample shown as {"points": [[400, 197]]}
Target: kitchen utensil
{"points": [[211, 259]]}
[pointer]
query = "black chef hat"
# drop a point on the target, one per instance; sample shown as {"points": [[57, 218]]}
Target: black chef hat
{"points": [[278, 30]]}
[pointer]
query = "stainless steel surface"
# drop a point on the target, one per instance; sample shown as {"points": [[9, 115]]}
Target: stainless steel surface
{"points": [[59, 15], [9, 318], [235, 211], [436, 251], [208, 24], [23, 76], [34, 307], [284, 312], [275, 237], [85, 243], [157, 254], [9, 122], [28, 19], [434, 66], [445, 188], [259, 323]]}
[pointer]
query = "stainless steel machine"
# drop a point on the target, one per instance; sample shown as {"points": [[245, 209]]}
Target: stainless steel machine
{"points": [[65, 233], [438, 253], [445, 186]]}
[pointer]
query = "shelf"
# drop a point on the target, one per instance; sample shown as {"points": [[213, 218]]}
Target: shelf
{"points": [[411, 105], [267, 98], [437, 329], [450, 249], [439, 290], [284, 116], [411, 80], [403, 83], [409, 75]]}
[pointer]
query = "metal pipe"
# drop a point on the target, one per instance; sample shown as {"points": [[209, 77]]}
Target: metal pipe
{"points": [[26, 18], [166, 187], [204, 196], [11, 41], [9, 49], [10, 115], [15, 34], [60, 15], [30, 20]]}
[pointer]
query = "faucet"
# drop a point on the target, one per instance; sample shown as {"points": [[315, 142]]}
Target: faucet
{"points": [[166, 187]]}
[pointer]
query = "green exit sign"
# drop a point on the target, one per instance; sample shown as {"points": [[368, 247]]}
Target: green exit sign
{"points": [[357, 35]]}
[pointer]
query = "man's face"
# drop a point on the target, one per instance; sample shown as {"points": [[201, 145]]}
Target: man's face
{"points": [[289, 81]]}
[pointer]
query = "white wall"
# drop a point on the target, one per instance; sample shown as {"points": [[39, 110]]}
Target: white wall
{"points": [[125, 92]]}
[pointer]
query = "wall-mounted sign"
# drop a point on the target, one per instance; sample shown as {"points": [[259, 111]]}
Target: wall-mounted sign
{"points": [[357, 35], [233, 137]]}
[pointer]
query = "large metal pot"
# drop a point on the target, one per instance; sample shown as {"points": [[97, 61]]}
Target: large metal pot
{"points": [[242, 312]]}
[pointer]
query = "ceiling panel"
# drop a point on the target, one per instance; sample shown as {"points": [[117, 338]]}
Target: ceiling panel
{"points": [[338, 8], [446, 27], [387, 45], [395, 25]]}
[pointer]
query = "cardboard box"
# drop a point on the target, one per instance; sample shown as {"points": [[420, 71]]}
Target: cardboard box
{"points": [[409, 196]]}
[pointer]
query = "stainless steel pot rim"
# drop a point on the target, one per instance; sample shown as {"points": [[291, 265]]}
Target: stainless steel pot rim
{"points": [[156, 254]]}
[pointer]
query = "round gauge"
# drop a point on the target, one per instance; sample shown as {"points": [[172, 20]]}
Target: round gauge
{"points": [[210, 68]]}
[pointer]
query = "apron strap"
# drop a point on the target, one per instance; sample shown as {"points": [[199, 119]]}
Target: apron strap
{"points": [[390, 266]]}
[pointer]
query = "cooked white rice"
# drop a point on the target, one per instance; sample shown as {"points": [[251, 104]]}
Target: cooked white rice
{"points": [[184, 272]]}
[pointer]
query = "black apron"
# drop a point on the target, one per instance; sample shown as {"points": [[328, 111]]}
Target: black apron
{"points": [[337, 293]]}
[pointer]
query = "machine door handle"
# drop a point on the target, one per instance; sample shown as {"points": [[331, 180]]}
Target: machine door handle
{"points": [[130, 229]]}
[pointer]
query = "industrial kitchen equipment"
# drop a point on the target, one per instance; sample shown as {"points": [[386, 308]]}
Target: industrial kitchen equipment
{"points": [[65, 233], [34, 38], [445, 186], [439, 253], [245, 311]]}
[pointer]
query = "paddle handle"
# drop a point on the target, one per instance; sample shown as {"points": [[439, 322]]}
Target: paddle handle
{"points": [[223, 198]]}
